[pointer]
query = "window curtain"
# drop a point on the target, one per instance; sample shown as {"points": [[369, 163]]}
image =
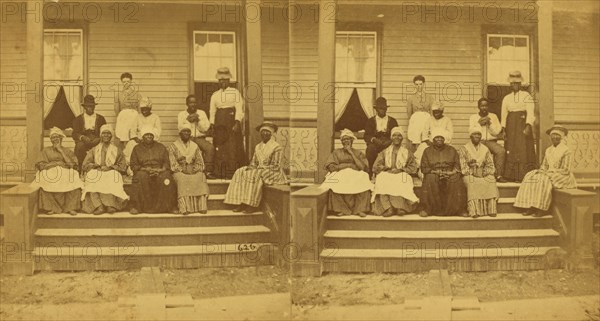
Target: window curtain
{"points": [[342, 96], [365, 95]]}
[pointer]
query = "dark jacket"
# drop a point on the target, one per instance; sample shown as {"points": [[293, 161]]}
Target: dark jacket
{"points": [[79, 126], [371, 129]]}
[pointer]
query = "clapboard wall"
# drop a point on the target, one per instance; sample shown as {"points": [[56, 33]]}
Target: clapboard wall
{"points": [[576, 67]]}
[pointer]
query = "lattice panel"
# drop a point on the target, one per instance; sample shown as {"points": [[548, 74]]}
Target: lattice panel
{"points": [[585, 146], [13, 152], [303, 150]]}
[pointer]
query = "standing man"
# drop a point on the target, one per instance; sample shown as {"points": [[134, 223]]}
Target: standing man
{"points": [[199, 125], [226, 117], [490, 130], [377, 131], [517, 119], [86, 128]]}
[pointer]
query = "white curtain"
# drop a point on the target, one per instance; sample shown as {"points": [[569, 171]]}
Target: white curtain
{"points": [[365, 95], [342, 96]]}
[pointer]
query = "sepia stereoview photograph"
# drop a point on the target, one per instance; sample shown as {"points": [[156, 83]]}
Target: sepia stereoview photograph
{"points": [[300, 160]]}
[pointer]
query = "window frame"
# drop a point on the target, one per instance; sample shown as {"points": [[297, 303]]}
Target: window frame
{"points": [[528, 37], [362, 84], [235, 73]]}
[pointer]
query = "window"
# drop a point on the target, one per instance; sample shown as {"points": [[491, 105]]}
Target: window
{"points": [[506, 53], [212, 50], [355, 77], [63, 67]]}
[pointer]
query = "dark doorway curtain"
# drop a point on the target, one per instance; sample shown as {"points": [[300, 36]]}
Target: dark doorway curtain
{"points": [[354, 117], [60, 114]]}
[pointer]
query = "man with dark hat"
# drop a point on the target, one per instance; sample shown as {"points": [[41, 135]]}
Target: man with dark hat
{"points": [[377, 131], [86, 128]]}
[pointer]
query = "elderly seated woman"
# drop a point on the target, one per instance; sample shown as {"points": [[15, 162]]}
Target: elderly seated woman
{"points": [[477, 166], [348, 179], [394, 188], [152, 188], [535, 193], [187, 165], [59, 183], [104, 165], [443, 192], [245, 189]]}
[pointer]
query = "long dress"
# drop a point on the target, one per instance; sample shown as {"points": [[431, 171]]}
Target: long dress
{"points": [[482, 192], [264, 169], [127, 103], [152, 193], [60, 185], [517, 112], [192, 188], [394, 191], [536, 188], [104, 188], [350, 188], [227, 107], [419, 107], [444, 197]]}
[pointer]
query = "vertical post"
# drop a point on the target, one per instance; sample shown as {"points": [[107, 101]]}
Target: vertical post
{"points": [[326, 83], [254, 92], [545, 99], [35, 84]]}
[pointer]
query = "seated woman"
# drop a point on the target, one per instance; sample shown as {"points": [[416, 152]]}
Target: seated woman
{"points": [[443, 192], [103, 166], [152, 188], [477, 166], [535, 193], [245, 189], [348, 179], [187, 165], [394, 186], [59, 183]]}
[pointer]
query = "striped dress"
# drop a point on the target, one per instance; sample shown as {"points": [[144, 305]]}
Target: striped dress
{"points": [[555, 172], [482, 192], [265, 168], [192, 187]]}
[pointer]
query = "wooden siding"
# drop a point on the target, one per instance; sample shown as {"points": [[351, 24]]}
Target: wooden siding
{"points": [[13, 68], [275, 65], [576, 67]]}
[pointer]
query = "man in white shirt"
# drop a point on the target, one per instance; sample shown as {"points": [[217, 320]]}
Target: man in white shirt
{"points": [[378, 131], [199, 124], [490, 130], [226, 117]]}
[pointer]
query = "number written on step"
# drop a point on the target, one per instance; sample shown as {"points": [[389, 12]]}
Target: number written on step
{"points": [[246, 247]]}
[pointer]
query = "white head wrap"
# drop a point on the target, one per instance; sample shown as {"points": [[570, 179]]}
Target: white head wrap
{"points": [[437, 105], [439, 132], [147, 129], [347, 133], [107, 127], [475, 129], [185, 126], [145, 102], [397, 129], [56, 131]]}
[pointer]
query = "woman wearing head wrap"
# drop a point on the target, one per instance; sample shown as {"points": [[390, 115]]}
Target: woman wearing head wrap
{"points": [[188, 168], [477, 166], [443, 192], [394, 192], [348, 179], [266, 168], [59, 183], [144, 119], [152, 188], [535, 193], [437, 121], [104, 166]]}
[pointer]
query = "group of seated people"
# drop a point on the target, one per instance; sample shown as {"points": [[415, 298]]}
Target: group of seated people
{"points": [[456, 181], [166, 178]]}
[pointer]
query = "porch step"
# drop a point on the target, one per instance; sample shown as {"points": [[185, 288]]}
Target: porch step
{"points": [[127, 220], [418, 260], [122, 258], [413, 222], [344, 239], [158, 236]]}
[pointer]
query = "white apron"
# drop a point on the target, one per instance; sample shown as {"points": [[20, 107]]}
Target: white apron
{"points": [[347, 181], [416, 125], [57, 179], [126, 120], [109, 182]]}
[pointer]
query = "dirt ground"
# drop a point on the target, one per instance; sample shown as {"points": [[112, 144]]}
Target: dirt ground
{"points": [[379, 289]]}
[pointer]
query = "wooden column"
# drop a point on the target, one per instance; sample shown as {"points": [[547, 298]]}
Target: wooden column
{"points": [[326, 82], [35, 84], [545, 95], [254, 109]]}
